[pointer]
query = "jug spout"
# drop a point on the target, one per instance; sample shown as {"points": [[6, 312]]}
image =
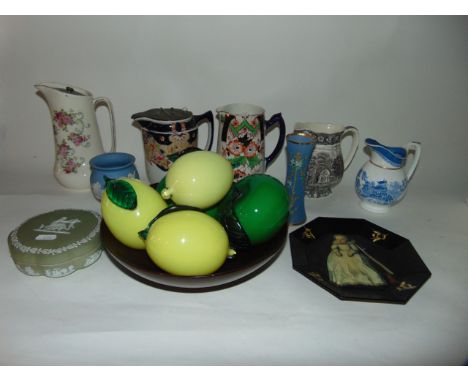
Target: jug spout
{"points": [[386, 156], [394, 157], [45, 89]]}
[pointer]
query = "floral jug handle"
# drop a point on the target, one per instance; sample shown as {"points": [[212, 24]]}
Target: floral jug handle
{"points": [[416, 148], [106, 101]]}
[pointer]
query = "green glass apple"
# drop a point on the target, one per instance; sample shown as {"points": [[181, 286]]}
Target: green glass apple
{"points": [[254, 210]]}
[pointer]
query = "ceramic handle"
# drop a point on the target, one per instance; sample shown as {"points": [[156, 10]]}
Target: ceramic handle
{"points": [[225, 121], [276, 120], [354, 145], [107, 102], [416, 148], [208, 119]]}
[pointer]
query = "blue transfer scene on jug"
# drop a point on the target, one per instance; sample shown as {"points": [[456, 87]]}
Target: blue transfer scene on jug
{"points": [[381, 191], [383, 180]]}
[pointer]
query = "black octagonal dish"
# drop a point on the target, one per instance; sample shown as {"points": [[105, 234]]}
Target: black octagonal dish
{"points": [[246, 264], [355, 259]]}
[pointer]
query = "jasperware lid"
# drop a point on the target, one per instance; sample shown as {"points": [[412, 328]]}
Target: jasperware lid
{"points": [[56, 243]]}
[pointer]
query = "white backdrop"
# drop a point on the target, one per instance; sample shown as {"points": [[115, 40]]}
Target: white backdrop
{"points": [[396, 78]]}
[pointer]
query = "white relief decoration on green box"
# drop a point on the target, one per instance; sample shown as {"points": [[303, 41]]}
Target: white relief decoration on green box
{"points": [[55, 251], [59, 226]]}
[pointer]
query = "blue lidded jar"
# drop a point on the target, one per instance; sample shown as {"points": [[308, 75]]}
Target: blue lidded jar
{"points": [[110, 165]]}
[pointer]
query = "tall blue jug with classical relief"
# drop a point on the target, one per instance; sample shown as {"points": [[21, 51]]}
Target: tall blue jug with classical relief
{"points": [[383, 180]]}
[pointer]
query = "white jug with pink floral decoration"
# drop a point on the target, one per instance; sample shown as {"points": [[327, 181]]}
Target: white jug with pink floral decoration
{"points": [[76, 132]]}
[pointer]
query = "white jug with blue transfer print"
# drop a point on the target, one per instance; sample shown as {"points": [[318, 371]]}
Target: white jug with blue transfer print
{"points": [[383, 180]]}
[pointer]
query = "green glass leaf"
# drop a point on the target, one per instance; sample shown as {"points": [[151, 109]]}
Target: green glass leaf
{"points": [[144, 234], [121, 193]]}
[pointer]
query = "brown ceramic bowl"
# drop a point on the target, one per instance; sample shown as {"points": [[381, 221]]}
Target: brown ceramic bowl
{"points": [[246, 264]]}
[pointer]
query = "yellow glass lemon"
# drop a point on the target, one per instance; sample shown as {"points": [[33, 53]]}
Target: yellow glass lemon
{"points": [[198, 179], [187, 243], [127, 206]]}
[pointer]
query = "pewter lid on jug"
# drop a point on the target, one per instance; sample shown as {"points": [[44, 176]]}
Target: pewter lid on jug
{"points": [[164, 115], [69, 90]]}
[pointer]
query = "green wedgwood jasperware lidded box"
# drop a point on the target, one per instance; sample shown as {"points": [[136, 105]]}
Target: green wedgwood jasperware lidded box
{"points": [[56, 243]]}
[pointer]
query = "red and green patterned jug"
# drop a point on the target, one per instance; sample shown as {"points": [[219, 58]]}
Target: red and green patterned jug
{"points": [[241, 138]]}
